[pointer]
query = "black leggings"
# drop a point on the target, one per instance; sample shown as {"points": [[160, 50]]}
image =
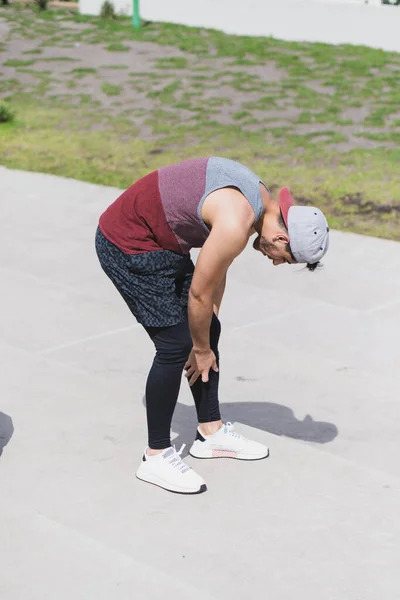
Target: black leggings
{"points": [[173, 346]]}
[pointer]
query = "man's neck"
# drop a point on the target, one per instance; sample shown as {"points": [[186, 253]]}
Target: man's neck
{"points": [[271, 208], [270, 204]]}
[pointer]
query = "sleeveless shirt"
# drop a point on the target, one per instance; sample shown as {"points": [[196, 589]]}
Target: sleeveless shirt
{"points": [[162, 211]]}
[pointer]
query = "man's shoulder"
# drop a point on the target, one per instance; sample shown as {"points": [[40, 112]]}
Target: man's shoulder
{"points": [[228, 205], [230, 165]]}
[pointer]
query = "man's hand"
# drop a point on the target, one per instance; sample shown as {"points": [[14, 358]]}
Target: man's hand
{"points": [[199, 364]]}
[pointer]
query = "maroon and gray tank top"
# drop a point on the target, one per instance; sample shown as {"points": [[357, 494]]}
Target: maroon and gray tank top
{"points": [[162, 211]]}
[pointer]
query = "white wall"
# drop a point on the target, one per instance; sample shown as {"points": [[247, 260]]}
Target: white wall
{"points": [[330, 21]]}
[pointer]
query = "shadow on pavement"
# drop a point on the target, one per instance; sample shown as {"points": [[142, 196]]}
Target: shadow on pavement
{"points": [[6, 430], [267, 416]]}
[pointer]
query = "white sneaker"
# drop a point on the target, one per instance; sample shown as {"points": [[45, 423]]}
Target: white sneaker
{"points": [[167, 470], [226, 443]]}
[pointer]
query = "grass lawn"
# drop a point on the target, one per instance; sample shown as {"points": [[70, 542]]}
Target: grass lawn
{"points": [[98, 101]]}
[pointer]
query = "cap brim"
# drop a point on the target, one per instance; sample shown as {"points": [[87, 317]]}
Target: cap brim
{"points": [[285, 202]]}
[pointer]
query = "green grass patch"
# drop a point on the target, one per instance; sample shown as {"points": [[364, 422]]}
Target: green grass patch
{"points": [[244, 62], [117, 48], [6, 113], [263, 103], [34, 72], [331, 114], [393, 137], [306, 97], [114, 67], [218, 101], [9, 85], [87, 99], [356, 68], [174, 62], [107, 157], [145, 75], [111, 90], [377, 118], [82, 71], [199, 78], [305, 118], [59, 59], [279, 132], [251, 121], [184, 104], [64, 135], [33, 51], [241, 114], [18, 63], [167, 94]]}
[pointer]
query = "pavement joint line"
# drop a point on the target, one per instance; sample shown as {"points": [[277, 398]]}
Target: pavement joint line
{"points": [[319, 303], [315, 446], [272, 318], [70, 288], [86, 339], [33, 354], [315, 301], [96, 543], [81, 371], [390, 304]]}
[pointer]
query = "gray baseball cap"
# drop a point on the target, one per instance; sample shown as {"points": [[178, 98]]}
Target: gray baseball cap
{"points": [[307, 227]]}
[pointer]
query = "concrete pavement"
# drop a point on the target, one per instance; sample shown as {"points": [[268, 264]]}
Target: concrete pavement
{"points": [[364, 22], [309, 365]]}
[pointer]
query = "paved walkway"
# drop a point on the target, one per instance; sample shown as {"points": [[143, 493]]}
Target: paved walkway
{"points": [[310, 365], [365, 22]]}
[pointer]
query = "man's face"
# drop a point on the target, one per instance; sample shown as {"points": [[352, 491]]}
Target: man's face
{"points": [[276, 250]]}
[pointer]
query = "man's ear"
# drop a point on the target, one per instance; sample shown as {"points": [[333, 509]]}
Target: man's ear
{"points": [[281, 236]]}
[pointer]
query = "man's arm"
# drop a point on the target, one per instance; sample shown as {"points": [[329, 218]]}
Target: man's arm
{"points": [[226, 241], [219, 294]]}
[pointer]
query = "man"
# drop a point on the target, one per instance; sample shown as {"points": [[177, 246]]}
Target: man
{"points": [[143, 243]]}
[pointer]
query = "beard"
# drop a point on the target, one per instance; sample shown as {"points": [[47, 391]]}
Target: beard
{"points": [[261, 243]]}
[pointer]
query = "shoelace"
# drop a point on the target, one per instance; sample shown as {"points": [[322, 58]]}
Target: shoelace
{"points": [[175, 460], [230, 431]]}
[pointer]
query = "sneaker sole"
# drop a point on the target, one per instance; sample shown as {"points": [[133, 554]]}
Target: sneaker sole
{"points": [[161, 484], [230, 457]]}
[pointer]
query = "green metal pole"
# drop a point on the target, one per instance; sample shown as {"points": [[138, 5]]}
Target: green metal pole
{"points": [[136, 14]]}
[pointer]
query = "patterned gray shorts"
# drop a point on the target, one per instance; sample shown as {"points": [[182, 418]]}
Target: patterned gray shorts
{"points": [[155, 285]]}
